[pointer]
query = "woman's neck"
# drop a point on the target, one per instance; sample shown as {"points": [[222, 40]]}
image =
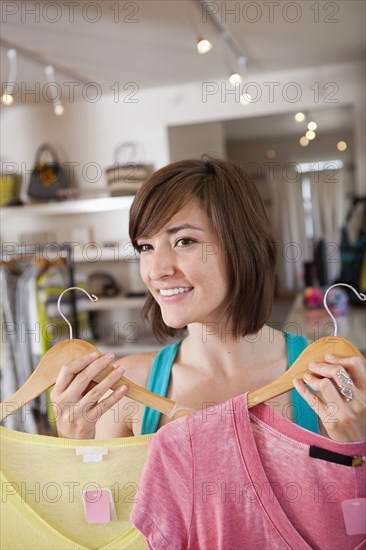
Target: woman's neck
{"points": [[219, 350]]}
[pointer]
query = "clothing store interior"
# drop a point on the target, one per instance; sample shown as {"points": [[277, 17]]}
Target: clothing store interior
{"points": [[96, 98]]}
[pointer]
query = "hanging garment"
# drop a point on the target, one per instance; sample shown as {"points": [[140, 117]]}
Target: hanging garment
{"points": [[26, 331], [161, 371], [29, 336], [228, 478], [16, 364], [42, 480]]}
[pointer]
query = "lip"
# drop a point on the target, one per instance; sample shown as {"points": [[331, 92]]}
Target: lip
{"points": [[175, 297], [170, 287]]}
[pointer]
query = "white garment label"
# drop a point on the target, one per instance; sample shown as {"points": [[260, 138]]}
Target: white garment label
{"points": [[92, 454], [354, 514]]}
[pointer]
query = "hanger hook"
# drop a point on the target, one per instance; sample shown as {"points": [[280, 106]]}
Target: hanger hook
{"points": [[92, 297], [358, 294]]}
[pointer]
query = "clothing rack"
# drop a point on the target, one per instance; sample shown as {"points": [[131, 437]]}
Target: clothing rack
{"points": [[20, 254]]}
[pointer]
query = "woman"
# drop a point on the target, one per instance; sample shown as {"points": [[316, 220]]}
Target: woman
{"points": [[207, 257]]}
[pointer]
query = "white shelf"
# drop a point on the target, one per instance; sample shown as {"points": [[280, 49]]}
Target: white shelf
{"points": [[75, 206]]}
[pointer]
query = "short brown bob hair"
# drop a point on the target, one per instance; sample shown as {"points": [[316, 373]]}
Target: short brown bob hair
{"points": [[233, 204]]}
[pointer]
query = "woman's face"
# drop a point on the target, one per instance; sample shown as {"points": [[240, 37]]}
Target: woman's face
{"points": [[183, 266]]}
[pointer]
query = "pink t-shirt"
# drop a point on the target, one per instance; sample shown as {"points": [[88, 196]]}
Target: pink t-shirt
{"points": [[225, 478]]}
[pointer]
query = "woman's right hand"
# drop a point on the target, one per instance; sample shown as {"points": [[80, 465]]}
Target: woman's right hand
{"points": [[75, 397]]}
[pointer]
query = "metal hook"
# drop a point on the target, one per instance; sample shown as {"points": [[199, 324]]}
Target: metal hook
{"points": [[92, 297], [358, 294]]}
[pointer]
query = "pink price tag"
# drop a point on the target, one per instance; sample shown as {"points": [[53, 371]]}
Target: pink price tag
{"points": [[354, 514], [97, 506]]}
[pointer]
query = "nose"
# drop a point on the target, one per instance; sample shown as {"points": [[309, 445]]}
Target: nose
{"points": [[161, 264]]}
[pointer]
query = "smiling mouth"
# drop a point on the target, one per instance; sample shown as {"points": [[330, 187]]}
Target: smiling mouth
{"points": [[173, 291]]}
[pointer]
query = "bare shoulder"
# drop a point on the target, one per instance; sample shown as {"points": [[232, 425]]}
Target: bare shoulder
{"points": [[272, 342], [137, 367]]}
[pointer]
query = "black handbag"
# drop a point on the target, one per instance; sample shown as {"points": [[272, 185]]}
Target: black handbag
{"points": [[48, 180]]}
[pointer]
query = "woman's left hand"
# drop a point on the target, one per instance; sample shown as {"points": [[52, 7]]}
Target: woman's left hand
{"points": [[343, 415]]}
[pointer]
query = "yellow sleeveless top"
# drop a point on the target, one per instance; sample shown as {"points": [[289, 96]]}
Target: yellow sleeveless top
{"points": [[42, 479]]}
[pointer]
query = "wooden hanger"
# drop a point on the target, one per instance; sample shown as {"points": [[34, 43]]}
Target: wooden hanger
{"points": [[42, 263], [46, 372], [315, 352], [63, 352]]}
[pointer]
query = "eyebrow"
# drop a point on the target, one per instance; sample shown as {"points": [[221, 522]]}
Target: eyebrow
{"points": [[173, 230]]}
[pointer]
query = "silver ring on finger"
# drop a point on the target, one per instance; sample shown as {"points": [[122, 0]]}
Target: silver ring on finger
{"points": [[344, 377], [346, 392]]}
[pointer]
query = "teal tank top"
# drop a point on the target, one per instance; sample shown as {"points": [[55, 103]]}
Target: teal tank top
{"points": [[161, 369]]}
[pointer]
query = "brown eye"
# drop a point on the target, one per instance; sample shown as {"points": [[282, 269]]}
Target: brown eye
{"points": [[143, 248], [184, 242]]}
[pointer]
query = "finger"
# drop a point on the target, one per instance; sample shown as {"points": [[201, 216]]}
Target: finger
{"points": [[77, 384], [84, 377], [108, 402], [325, 410], [343, 421], [356, 367], [346, 361], [331, 393], [100, 389], [89, 387], [68, 372], [324, 369], [324, 386], [332, 372]]}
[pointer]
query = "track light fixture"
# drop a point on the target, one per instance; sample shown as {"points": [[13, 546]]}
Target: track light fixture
{"points": [[203, 45], [13, 52], [234, 78], [231, 42], [7, 97], [58, 107]]}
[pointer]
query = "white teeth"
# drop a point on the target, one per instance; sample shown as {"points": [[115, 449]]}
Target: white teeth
{"points": [[171, 291]]}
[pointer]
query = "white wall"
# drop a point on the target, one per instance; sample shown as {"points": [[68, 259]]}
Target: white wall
{"points": [[89, 132], [194, 140]]}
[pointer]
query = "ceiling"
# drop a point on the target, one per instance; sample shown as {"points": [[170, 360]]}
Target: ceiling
{"points": [[152, 42]]}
